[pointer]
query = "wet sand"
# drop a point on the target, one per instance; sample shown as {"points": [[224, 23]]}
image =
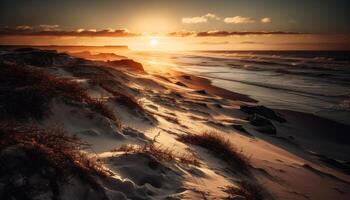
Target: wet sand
{"points": [[199, 83]]}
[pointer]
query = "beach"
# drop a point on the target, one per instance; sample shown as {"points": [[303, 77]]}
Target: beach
{"points": [[159, 105]]}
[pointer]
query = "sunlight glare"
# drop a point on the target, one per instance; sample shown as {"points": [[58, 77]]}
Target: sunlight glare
{"points": [[153, 42]]}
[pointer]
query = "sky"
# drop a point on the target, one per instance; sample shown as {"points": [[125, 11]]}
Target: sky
{"points": [[192, 24]]}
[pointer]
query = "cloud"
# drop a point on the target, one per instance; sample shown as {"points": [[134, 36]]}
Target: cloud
{"points": [[181, 34], [217, 33], [251, 42], [213, 33], [212, 16], [239, 20], [214, 42], [194, 20], [201, 19], [79, 30], [77, 33], [24, 28], [46, 27], [47, 30], [266, 20], [241, 33]]}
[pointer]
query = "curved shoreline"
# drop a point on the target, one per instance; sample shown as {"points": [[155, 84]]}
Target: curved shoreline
{"points": [[200, 83]]}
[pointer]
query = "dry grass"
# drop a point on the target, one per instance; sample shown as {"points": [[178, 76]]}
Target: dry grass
{"points": [[249, 191], [129, 101], [27, 92], [52, 147], [22, 76], [161, 154], [124, 99], [103, 77], [97, 75], [98, 105], [221, 148]]}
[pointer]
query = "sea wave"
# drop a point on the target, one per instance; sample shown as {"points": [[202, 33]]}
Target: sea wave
{"points": [[276, 87]]}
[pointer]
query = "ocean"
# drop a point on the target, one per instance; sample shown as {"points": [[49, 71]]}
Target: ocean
{"points": [[316, 82]]}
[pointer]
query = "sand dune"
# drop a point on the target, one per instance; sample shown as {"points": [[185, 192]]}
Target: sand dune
{"points": [[305, 157]]}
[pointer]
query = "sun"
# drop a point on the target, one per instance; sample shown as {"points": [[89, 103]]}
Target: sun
{"points": [[153, 42]]}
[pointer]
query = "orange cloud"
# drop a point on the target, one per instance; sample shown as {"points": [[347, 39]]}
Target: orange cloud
{"points": [[266, 20], [181, 34], [201, 19], [226, 33], [194, 20], [239, 20], [46, 27], [24, 28], [212, 16]]}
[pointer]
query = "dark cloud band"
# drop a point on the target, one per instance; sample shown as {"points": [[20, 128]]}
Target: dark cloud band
{"points": [[84, 33], [125, 33]]}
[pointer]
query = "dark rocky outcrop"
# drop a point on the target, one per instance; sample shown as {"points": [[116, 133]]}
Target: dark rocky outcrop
{"points": [[128, 64], [263, 111], [39, 58], [180, 84], [240, 128], [264, 125], [98, 56], [186, 77], [201, 92]]}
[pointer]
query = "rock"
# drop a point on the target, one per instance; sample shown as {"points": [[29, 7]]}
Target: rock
{"points": [[238, 197], [239, 127], [25, 49], [264, 125], [180, 84], [263, 111], [134, 133], [258, 120], [99, 56], [218, 105], [186, 77], [201, 92], [127, 63]]}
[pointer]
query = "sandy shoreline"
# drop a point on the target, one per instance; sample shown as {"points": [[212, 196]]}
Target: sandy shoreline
{"points": [[323, 127], [328, 132], [199, 83]]}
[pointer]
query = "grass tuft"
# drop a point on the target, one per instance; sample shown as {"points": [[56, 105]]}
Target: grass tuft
{"points": [[248, 190], [129, 101], [162, 154], [124, 99], [98, 105], [26, 92], [52, 146], [221, 148]]}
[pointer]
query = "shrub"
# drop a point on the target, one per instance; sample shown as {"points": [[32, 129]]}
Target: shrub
{"points": [[97, 105], [26, 92], [23, 103], [129, 101], [162, 154], [221, 148], [53, 147], [124, 99], [248, 190]]}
